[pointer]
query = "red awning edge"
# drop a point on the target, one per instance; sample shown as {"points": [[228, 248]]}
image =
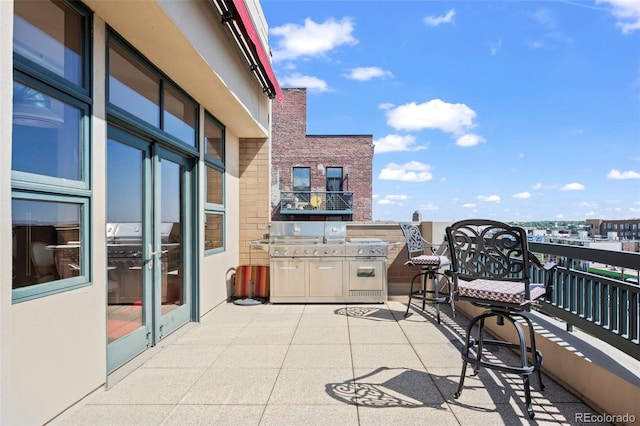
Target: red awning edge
{"points": [[265, 63]]}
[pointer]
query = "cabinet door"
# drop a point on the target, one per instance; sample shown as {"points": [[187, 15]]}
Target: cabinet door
{"points": [[367, 275], [288, 278], [325, 278]]}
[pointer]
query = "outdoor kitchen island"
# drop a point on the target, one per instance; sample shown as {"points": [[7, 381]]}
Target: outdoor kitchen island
{"points": [[312, 262]]}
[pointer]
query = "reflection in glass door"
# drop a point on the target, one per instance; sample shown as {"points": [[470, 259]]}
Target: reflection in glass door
{"points": [[128, 232], [147, 240], [170, 203]]}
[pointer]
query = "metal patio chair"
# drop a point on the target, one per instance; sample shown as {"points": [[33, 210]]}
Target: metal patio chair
{"points": [[423, 255], [491, 266]]}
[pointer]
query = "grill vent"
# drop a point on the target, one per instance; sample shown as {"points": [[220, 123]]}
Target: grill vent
{"points": [[361, 293]]}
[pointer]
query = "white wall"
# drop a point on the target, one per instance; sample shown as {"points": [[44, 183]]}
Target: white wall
{"points": [[216, 269]]}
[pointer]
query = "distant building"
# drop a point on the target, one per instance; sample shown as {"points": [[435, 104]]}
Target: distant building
{"points": [[317, 177], [621, 229]]}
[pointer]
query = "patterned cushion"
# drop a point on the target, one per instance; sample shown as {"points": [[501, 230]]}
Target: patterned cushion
{"points": [[438, 261], [500, 291]]}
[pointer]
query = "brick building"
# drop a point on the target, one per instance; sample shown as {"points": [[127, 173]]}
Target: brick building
{"points": [[623, 229], [317, 177]]}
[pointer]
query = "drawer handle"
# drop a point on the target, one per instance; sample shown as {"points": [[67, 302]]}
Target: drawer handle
{"points": [[366, 271]]}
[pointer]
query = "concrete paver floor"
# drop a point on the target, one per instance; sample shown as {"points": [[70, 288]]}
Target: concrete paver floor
{"points": [[319, 365]]}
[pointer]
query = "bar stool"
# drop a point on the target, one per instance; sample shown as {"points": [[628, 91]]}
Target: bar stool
{"points": [[429, 264], [491, 269]]}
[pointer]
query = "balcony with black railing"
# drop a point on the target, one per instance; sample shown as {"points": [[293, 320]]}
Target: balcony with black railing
{"points": [[316, 203]]}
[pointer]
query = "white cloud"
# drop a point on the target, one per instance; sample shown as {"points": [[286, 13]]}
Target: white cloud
{"points": [[413, 171], [368, 73], [545, 18], [392, 143], [495, 47], [522, 195], [627, 12], [468, 140], [469, 205], [312, 39], [385, 106], [312, 83], [395, 199], [434, 21], [617, 174], [434, 114], [489, 198], [574, 186], [429, 207]]}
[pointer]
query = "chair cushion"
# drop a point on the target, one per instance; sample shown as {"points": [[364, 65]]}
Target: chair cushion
{"points": [[499, 291], [426, 260]]}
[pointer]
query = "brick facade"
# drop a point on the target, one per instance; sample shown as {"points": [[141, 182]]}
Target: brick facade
{"points": [[254, 199], [292, 147]]}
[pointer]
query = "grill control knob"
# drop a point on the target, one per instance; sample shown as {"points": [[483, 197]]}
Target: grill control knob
{"points": [[306, 252], [360, 251], [335, 251], [373, 251], [285, 252], [326, 252], [296, 252], [316, 252], [276, 252]]}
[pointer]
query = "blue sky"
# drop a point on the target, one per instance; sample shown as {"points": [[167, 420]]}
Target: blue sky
{"points": [[513, 110]]}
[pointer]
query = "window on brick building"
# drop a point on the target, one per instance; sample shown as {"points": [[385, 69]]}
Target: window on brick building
{"points": [[334, 179]]}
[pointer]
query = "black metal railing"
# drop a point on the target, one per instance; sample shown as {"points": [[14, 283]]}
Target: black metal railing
{"points": [[605, 307], [316, 202]]}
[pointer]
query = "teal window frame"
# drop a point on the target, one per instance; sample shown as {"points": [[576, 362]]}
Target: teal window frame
{"points": [[117, 115], [29, 186], [219, 166], [65, 284]]}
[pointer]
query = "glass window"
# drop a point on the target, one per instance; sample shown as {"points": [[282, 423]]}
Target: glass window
{"points": [[213, 137], [302, 179], [51, 36], [50, 148], [214, 209], [46, 134], [213, 231], [179, 116], [133, 87], [47, 241], [334, 178], [214, 186]]}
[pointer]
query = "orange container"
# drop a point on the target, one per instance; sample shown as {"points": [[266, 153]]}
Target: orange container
{"points": [[251, 275]]}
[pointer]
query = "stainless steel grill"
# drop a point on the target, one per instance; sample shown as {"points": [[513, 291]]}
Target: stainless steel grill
{"points": [[314, 262]]}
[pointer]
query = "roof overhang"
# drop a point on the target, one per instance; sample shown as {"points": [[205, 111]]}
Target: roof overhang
{"points": [[237, 18]]}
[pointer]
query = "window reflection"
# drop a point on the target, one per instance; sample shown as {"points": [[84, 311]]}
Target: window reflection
{"points": [[179, 116], [213, 139], [213, 231], [50, 34], [214, 186], [132, 87], [46, 134], [46, 241]]}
